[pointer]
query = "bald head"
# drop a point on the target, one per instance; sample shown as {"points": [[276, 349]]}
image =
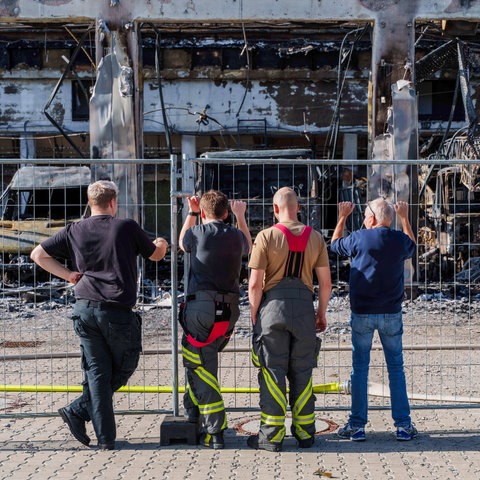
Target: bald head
{"points": [[285, 204], [285, 197]]}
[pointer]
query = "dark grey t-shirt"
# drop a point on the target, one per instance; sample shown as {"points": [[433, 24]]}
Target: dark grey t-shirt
{"points": [[216, 251], [104, 249]]}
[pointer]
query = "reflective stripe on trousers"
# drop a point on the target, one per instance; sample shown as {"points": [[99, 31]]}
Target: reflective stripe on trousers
{"points": [[201, 364], [285, 347]]}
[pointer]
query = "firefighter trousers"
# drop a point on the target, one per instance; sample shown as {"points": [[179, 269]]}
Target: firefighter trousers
{"points": [[203, 394], [285, 346]]}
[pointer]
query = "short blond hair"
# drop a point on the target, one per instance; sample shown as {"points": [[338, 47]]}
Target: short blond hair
{"points": [[101, 193]]}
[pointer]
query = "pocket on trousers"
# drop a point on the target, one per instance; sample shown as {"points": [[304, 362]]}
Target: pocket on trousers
{"points": [[191, 355], [120, 332], [79, 327], [361, 323], [318, 345], [393, 324], [129, 365], [258, 356], [129, 332]]}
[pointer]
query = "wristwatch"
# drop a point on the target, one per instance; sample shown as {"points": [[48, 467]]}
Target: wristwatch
{"points": [[194, 214]]}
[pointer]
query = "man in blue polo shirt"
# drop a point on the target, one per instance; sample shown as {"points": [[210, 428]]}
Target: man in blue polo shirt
{"points": [[377, 256]]}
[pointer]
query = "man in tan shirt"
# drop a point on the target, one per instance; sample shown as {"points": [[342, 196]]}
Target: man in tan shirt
{"points": [[284, 321]]}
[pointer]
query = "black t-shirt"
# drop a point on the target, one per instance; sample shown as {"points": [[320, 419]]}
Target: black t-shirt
{"points": [[216, 250], [104, 249]]}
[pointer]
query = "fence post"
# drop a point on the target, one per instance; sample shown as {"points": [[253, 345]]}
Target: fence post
{"points": [[174, 264]]}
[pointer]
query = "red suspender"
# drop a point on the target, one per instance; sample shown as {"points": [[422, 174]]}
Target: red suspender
{"points": [[296, 246]]}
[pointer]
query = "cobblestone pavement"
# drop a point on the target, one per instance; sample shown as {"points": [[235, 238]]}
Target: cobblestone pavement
{"points": [[447, 448], [42, 448]]}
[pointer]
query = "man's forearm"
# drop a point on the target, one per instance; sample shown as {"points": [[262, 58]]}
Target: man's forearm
{"points": [[255, 292], [324, 288], [55, 268], [243, 227], [190, 221], [255, 299], [407, 229], [339, 229]]}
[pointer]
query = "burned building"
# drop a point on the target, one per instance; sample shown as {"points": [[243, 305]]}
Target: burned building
{"points": [[352, 80]]}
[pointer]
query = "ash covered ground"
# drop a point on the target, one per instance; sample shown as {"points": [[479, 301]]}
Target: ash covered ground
{"points": [[430, 316]]}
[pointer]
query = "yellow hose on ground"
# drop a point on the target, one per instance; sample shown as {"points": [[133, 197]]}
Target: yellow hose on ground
{"points": [[325, 388]]}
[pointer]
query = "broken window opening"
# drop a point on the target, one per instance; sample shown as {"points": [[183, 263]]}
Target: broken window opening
{"points": [[80, 100]]}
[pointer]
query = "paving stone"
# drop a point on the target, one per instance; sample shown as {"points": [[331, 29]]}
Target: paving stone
{"points": [[447, 448]]}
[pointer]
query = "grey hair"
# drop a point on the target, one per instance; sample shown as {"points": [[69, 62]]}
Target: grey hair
{"points": [[100, 193], [383, 210]]}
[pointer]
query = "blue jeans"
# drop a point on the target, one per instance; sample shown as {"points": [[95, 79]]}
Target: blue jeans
{"points": [[110, 342], [390, 330]]}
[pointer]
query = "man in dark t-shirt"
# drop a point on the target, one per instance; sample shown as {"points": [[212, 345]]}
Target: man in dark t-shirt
{"points": [[378, 255], [103, 252], [215, 251]]}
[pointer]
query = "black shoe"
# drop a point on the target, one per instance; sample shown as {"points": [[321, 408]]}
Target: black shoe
{"points": [[106, 446], [191, 415], [302, 442], [212, 440], [255, 443], [75, 424], [305, 442]]}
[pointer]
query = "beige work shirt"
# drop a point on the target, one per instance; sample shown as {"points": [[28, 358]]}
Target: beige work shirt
{"points": [[270, 252]]}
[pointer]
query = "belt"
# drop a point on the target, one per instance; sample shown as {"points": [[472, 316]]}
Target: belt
{"points": [[227, 297], [104, 305], [291, 294]]}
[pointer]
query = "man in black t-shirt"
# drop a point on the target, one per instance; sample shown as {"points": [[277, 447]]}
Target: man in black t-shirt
{"points": [[103, 251], [211, 309]]}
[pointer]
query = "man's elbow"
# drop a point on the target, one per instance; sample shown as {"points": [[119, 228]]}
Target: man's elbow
{"points": [[158, 254], [180, 242], [36, 253], [255, 287]]}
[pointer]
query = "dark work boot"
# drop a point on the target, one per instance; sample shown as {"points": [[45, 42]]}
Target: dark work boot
{"points": [[212, 440], [106, 446], [254, 442], [75, 424]]}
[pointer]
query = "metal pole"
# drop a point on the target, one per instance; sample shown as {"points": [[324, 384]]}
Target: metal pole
{"points": [[242, 161], [174, 255]]}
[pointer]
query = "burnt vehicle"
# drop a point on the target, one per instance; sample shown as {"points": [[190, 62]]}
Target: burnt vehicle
{"points": [[38, 202]]}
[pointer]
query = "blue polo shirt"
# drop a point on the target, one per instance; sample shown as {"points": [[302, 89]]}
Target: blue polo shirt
{"points": [[377, 268]]}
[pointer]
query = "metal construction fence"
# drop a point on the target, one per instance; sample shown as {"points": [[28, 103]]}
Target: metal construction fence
{"points": [[40, 355]]}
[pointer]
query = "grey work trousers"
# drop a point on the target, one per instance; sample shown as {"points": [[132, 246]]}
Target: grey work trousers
{"points": [[285, 346], [203, 393]]}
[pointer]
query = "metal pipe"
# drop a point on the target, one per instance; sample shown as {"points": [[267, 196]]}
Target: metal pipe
{"points": [[167, 351], [242, 161], [322, 408], [313, 161], [380, 390]]}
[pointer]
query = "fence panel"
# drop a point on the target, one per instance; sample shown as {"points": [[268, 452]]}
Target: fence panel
{"points": [[40, 366], [40, 355], [442, 292]]}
